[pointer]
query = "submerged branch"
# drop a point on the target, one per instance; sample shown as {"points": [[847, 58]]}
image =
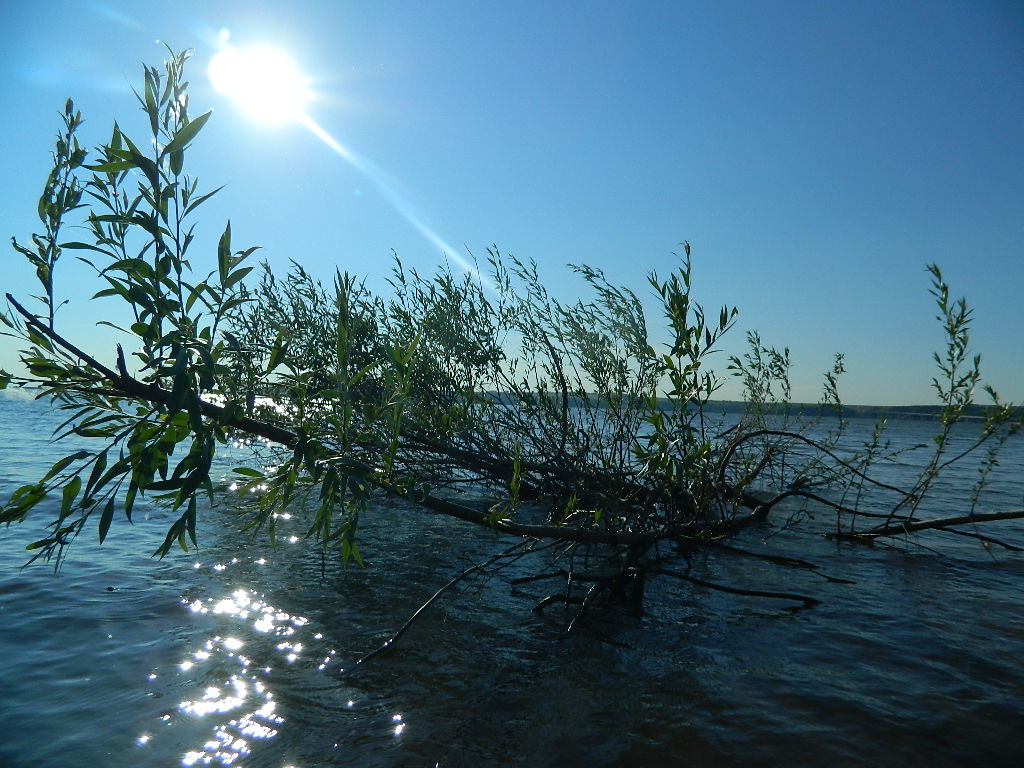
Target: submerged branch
{"points": [[808, 602], [389, 643], [898, 529], [790, 562]]}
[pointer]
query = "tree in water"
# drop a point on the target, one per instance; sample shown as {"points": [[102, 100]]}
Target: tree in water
{"points": [[562, 426]]}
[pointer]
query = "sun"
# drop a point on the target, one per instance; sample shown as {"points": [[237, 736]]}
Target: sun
{"points": [[263, 80]]}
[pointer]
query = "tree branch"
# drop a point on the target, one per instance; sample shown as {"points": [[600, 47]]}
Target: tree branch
{"points": [[898, 529], [797, 436], [809, 602], [387, 644]]}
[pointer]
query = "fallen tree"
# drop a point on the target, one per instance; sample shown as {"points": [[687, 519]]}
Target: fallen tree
{"points": [[480, 397]]}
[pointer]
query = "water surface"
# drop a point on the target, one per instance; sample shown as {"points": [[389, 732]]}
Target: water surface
{"points": [[229, 656]]}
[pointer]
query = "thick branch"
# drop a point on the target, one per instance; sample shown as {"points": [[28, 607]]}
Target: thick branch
{"points": [[67, 345], [127, 386]]}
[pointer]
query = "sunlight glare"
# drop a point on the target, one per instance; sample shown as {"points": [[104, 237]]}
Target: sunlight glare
{"points": [[263, 80], [268, 86]]}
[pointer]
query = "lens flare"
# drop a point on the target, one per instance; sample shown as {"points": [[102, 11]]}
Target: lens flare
{"points": [[379, 179]]}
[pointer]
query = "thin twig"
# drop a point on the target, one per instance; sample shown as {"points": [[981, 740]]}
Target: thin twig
{"points": [[797, 436], [387, 645], [983, 539], [591, 594], [791, 562], [809, 602]]}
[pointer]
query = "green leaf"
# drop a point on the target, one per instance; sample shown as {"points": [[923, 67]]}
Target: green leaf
{"points": [[86, 246], [132, 266], [60, 465], [106, 518], [186, 134], [68, 495], [248, 472], [148, 167], [351, 549], [150, 100], [129, 500], [177, 162], [277, 353], [190, 521], [201, 199], [236, 276], [97, 469], [114, 166], [224, 253], [362, 372], [141, 329]]}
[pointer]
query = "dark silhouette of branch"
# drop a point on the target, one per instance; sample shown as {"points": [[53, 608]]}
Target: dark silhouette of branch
{"points": [[808, 602], [390, 642], [940, 523], [738, 441], [790, 562]]}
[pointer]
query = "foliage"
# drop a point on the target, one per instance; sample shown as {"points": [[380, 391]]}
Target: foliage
{"points": [[480, 397], [140, 226]]}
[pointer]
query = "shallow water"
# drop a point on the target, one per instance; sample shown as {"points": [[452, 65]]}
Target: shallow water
{"points": [[229, 656]]}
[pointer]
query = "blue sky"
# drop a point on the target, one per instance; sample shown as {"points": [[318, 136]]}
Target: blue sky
{"points": [[817, 155]]}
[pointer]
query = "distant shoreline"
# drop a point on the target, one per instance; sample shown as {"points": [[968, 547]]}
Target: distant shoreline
{"points": [[909, 412]]}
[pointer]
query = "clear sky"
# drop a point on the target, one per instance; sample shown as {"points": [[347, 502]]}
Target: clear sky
{"points": [[817, 155]]}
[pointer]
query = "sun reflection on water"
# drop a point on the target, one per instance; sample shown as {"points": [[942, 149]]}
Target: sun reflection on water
{"points": [[250, 670], [229, 688], [399, 724]]}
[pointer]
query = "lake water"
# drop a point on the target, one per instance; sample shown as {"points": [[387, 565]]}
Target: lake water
{"points": [[228, 655]]}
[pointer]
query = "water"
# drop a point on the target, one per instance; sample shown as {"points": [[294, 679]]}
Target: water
{"points": [[228, 656]]}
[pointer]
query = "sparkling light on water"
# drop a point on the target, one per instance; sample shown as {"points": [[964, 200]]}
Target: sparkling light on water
{"points": [[242, 702]]}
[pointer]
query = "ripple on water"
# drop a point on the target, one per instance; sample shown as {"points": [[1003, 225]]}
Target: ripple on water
{"points": [[232, 663]]}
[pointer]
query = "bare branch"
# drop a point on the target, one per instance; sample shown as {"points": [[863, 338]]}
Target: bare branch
{"points": [[809, 602], [389, 643], [899, 529]]}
